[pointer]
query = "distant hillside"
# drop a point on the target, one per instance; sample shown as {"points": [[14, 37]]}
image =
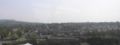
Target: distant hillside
{"points": [[60, 33], [63, 26], [14, 23]]}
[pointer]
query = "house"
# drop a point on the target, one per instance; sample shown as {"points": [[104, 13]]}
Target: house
{"points": [[27, 44]]}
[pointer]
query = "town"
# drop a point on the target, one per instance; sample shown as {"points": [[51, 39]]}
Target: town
{"points": [[19, 33]]}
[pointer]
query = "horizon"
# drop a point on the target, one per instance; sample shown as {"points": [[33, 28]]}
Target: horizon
{"points": [[55, 22]]}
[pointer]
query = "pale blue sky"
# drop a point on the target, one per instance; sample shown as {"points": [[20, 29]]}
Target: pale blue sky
{"points": [[15, 9], [60, 10]]}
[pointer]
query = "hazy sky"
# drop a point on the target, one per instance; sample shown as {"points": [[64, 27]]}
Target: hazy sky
{"points": [[60, 10]]}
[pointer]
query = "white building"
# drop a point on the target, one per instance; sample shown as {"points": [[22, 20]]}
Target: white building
{"points": [[27, 44]]}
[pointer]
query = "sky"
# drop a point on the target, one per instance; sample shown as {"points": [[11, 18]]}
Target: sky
{"points": [[57, 11]]}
